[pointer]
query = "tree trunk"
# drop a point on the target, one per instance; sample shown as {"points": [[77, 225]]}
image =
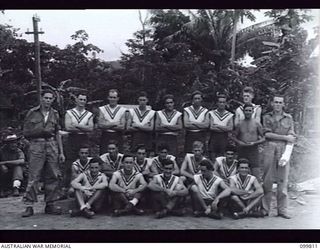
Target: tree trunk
{"points": [[233, 47]]}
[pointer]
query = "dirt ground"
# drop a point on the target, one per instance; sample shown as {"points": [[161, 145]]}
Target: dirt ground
{"points": [[305, 211]]}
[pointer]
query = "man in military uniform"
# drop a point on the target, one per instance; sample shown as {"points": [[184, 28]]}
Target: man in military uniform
{"points": [[41, 127]]}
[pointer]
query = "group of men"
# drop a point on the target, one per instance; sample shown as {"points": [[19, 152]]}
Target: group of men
{"points": [[210, 172]]}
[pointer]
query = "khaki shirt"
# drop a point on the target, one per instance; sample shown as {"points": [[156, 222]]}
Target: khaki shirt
{"points": [[284, 126], [36, 127]]}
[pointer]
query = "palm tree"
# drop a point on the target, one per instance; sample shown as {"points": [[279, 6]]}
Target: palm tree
{"points": [[238, 15]]}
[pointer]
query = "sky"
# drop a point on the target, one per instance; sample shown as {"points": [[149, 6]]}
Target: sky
{"points": [[107, 29]]}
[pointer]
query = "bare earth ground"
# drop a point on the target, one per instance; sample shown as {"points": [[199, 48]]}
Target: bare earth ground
{"points": [[305, 211]]}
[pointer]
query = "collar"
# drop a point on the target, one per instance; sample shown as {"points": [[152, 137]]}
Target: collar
{"points": [[284, 114]]}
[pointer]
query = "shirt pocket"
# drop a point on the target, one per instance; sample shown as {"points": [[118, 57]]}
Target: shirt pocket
{"points": [[285, 123]]}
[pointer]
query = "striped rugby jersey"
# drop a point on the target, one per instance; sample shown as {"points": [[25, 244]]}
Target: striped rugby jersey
{"points": [[114, 164], [224, 170], [112, 114], [169, 120], [78, 168], [144, 166], [88, 180], [246, 185], [194, 116], [127, 182], [156, 161], [79, 118], [192, 164], [170, 184], [240, 114], [139, 118], [220, 119], [208, 188]]}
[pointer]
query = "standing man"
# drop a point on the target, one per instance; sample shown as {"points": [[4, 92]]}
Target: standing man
{"points": [[248, 135], [168, 124], [12, 162], [41, 127], [221, 123], [248, 95], [112, 121], [141, 123], [127, 186], [279, 132], [196, 122], [78, 122]]}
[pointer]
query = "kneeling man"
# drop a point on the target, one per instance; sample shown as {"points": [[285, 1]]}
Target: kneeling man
{"points": [[167, 190]]}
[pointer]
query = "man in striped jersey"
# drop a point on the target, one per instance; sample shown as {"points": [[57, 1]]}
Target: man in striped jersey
{"points": [[248, 95], [112, 121], [196, 122], [80, 165], [112, 159], [141, 123], [190, 164], [89, 187], [78, 122], [226, 166], [157, 162], [127, 186], [246, 191], [205, 194], [168, 124], [167, 190], [142, 164], [221, 123]]}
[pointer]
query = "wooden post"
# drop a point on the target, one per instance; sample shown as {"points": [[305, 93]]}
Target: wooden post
{"points": [[36, 33]]}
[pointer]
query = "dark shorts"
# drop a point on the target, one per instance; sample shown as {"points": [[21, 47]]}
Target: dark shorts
{"points": [[251, 153], [170, 140], [192, 137], [142, 137], [218, 143]]}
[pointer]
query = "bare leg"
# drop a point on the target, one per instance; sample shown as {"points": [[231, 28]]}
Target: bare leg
{"points": [[196, 198], [238, 201], [252, 204], [95, 197], [80, 199]]}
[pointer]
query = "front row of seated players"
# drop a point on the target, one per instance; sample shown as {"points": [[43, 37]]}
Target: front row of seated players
{"points": [[212, 188]]}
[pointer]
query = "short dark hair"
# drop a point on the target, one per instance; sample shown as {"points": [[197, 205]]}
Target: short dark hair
{"points": [[142, 93], [82, 93], [207, 163], [127, 156], [231, 148], [197, 92], [141, 146], [243, 161], [168, 96], [46, 91], [114, 90], [95, 160], [278, 95], [247, 105], [221, 96], [248, 89], [84, 146], [163, 146], [113, 142], [167, 162]]}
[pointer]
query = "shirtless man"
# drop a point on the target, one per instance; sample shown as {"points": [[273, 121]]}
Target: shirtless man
{"points": [[248, 135]]}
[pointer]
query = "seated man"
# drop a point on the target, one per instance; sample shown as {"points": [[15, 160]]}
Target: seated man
{"points": [[205, 192], [12, 161], [127, 185], [166, 190], [246, 192], [112, 159], [142, 164], [190, 164], [226, 166], [80, 165], [89, 187], [157, 165]]}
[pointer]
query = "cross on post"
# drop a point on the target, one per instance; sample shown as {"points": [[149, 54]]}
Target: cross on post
{"points": [[36, 33]]}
